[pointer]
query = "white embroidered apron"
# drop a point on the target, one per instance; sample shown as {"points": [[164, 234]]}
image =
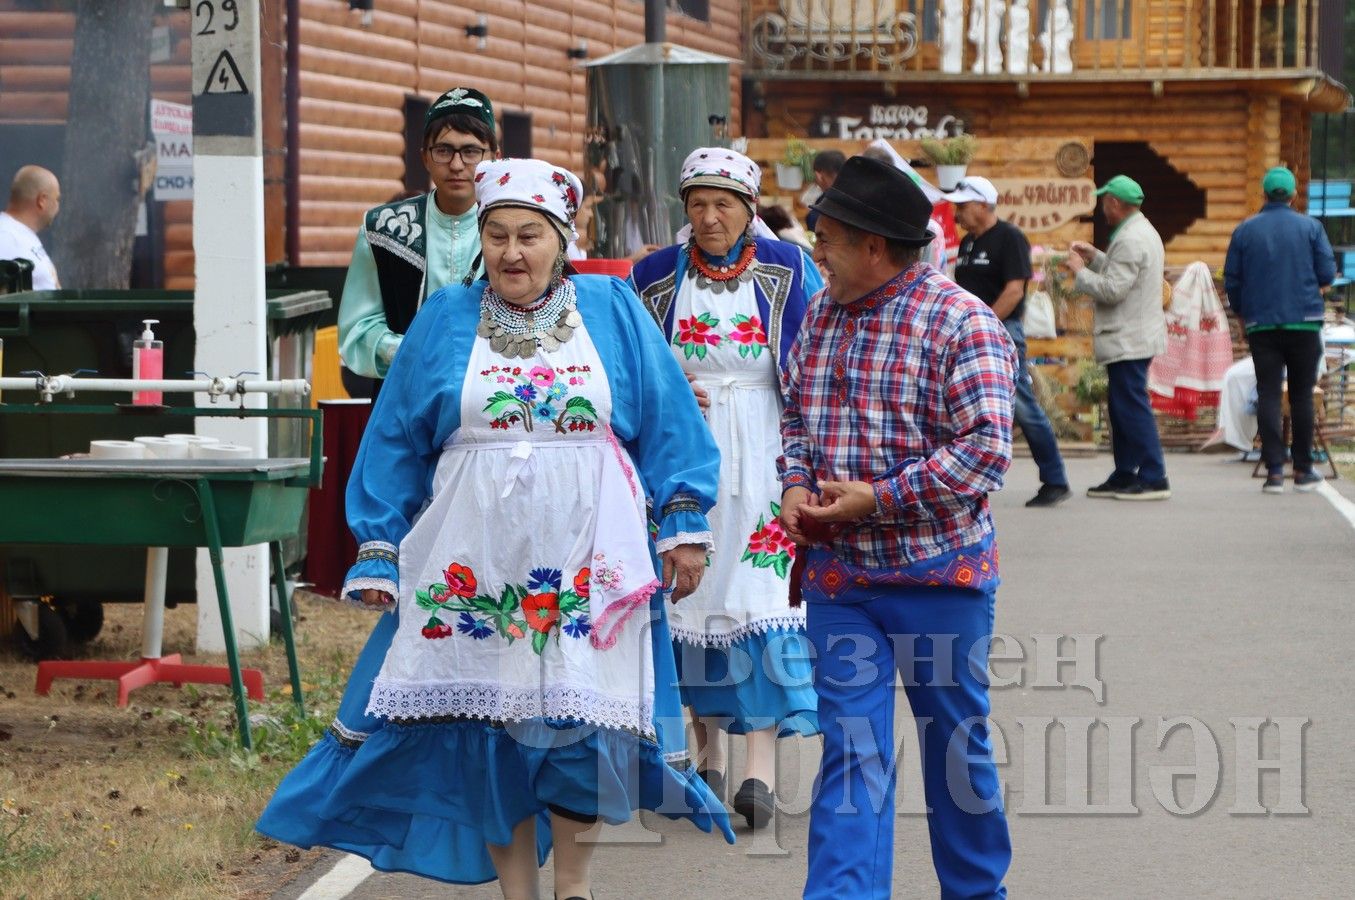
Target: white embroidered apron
{"points": [[722, 341], [518, 581]]}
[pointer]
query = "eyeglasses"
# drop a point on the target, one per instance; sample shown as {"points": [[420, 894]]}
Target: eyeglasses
{"points": [[470, 154]]}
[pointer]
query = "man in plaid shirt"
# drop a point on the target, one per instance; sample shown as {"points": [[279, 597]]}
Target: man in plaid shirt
{"points": [[897, 424]]}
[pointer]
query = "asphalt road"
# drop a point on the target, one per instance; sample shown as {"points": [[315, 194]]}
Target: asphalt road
{"points": [[1221, 607]]}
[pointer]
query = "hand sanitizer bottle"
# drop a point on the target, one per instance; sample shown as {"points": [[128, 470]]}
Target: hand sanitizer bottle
{"points": [[148, 361]]}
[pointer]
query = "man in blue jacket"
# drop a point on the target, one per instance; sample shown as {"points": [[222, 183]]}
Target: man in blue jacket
{"points": [[1279, 262]]}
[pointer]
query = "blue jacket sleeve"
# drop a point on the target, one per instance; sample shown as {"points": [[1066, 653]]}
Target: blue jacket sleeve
{"points": [[1232, 272], [673, 449], [1324, 262], [391, 474]]}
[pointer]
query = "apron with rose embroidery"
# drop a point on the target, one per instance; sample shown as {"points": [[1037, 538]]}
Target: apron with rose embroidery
{"points": [[720, 340], [519, 580]]}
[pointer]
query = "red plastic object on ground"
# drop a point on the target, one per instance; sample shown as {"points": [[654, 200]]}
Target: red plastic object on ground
{"points": [[618, 267], [132, 675]]}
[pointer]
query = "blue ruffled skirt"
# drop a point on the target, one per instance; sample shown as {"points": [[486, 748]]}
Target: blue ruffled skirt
{"points": [[761, 681], [428, 795]]}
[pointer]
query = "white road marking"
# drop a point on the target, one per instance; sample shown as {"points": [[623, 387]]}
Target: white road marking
{"points": [[1339, 501], [349, 872]]}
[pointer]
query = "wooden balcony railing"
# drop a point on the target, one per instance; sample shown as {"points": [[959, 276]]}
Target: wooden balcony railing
{"points": [[1023, 39]]}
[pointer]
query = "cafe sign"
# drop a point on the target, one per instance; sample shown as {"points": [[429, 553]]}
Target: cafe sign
{"points": [[1044, 204], [891, 121]]}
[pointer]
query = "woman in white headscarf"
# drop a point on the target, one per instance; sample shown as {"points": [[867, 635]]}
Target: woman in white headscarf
{"points": [[730, 303], [935, 252], [522, 687]]}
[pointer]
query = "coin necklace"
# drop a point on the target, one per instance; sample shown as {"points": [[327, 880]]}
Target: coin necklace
{"points": [[517, 331], [721, 278]]}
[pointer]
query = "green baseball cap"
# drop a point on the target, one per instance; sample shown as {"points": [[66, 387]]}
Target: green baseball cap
{"points": [[1122, 187], [464, 101], [1279, 182]]}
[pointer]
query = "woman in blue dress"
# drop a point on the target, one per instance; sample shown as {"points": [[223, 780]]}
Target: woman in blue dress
{"points": [[730, 304], [520, 688]]}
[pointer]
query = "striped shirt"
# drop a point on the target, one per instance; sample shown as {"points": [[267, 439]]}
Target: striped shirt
{"points": [[909, 388]]}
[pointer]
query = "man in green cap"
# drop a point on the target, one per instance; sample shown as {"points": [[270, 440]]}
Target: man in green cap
{"points": [[1125, 283], [409, 248], [1279, 262]]}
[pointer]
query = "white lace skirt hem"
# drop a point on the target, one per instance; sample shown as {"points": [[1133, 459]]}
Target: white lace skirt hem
{"points": [[504, 703], [787, 621]]}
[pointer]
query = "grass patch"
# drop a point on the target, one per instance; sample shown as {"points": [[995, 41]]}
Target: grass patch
{"points": [[157, 798]]}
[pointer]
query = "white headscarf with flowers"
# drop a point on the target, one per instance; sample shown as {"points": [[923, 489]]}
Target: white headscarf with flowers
{"points": [[530, 184], [720, 167]]}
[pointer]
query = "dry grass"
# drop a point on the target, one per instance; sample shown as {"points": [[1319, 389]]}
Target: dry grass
{"points": [[156, 799]]}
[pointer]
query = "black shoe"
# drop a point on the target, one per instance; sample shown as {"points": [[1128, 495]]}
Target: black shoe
{"points": [[1107, 489], [715, 780], [1307, 481], [1050, 495], [1145, 490], [1274, 484], [755, 802]]}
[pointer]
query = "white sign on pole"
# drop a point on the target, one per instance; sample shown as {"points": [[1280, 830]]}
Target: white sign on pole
{"points": [[172, 128], [229, 309]]}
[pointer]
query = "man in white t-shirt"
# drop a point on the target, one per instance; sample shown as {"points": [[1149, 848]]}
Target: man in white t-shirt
{"points": [[34, 200]]}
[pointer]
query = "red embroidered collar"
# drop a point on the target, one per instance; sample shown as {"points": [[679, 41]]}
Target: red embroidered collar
{"points": [[722, 273]]}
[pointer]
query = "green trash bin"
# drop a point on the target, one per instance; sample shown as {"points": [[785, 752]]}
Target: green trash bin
{"points": [[57, 332]]}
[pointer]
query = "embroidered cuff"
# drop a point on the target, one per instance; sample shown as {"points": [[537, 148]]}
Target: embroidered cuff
{"points": [[797, 476], [684, 527], [681, 503], [378, 550], [705, 538]]}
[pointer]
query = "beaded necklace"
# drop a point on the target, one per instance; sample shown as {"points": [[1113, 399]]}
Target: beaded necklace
{"points": [[522, 331], [721, 278]]}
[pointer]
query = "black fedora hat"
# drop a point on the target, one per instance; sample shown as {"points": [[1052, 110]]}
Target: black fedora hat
{"points": [[876, 197]]}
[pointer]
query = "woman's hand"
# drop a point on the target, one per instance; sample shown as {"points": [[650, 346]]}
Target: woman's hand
{"points": [[701, 394], [793, 503], [374, 599], [683, 567]]}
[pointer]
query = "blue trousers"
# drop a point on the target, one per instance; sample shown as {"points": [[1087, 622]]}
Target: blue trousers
{"points": [[1044, 447], [936, 632], [1133, 430]]}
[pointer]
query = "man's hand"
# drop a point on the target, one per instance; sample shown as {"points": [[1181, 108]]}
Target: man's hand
{"points": [[794, 502], [842, 501], [1083, 249], [1074, 263], [683, 567], [374, 599], [701, 394], [643, 252]]}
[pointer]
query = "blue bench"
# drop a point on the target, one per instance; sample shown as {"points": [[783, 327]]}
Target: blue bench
{"points": [[1330, 199]]}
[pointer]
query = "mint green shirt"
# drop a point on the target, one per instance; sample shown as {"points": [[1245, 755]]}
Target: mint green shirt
{"points": [[366, 345]]}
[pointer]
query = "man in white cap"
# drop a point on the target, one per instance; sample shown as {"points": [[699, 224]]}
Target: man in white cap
{"points": [[34, 201], [994, 265]]}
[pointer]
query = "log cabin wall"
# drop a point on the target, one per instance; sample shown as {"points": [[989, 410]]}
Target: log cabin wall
{"points": [[1221, 141], [354, 82]]}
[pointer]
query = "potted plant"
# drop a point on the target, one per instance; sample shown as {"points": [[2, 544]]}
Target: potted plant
{"points": [[951, 156], [795, 165]]}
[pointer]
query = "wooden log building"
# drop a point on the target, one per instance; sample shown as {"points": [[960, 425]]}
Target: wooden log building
{"points": [[1196, 99], [361, 90]]}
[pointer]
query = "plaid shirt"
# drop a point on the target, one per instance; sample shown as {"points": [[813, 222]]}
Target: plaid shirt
{"points": [[909, 388]]}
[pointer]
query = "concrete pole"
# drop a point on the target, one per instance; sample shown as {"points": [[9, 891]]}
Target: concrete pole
{"points": [[229, 311]]}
